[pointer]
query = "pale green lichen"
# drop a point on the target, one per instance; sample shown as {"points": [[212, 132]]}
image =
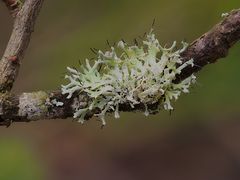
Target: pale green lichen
{"points": [[139, 74], [32, 105], [225, 14]]}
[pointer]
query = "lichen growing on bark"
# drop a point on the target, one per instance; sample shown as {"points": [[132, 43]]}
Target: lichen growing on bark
{"points": [[130, 74], [32, 105]]}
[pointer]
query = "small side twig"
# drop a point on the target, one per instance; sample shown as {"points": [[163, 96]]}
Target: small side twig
{"points": [[18, 43], [40, 105]]}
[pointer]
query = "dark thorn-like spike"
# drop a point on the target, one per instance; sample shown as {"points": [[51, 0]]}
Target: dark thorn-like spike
{"points": [[153, 23], [135, 42], [108, 43], [93, 51]]}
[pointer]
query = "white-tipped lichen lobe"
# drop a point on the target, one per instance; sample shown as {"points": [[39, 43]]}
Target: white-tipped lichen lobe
{"points": [[139, 74], [224, 15], [32, 105], [80, 106], [54, 102]]}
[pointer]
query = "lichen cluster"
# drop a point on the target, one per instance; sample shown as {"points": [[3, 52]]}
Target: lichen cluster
{"points": [[130, 74]]}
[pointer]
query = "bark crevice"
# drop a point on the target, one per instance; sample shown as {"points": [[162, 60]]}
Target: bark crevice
{"points": [[33, 106]]}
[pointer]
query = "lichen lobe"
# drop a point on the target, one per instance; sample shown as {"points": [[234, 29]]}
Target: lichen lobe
{"points": [[134, 75]]}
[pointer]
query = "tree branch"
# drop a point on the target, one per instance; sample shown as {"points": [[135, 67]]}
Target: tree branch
{"points": [[18, 43], [43, 105], [212, 45]]}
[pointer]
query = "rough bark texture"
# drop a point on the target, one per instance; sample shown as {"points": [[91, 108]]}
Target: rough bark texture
{"points": [[33, 106], [18, 43], [42, 105], [212, 45]]}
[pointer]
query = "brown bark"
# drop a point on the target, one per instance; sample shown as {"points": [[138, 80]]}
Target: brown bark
{"points": [[40, 105], [212, 45], [18, 43]]}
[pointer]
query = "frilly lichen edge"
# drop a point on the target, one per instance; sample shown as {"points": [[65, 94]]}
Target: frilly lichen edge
{"points": [[130, 74]]}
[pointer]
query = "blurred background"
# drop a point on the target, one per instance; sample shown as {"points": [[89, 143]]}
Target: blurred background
{"points": [[200, 140]]}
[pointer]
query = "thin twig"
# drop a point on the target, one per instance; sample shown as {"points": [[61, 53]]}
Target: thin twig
{"points": [[18, 43], [40, 105], [212, 45]]}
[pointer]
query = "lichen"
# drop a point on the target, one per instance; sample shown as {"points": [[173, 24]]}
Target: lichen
{"points": [[130, 74], [225, 14], [32, 105], [57, 103]]}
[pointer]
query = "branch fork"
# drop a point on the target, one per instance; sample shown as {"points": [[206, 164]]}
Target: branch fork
{"points": [[33, 106]]}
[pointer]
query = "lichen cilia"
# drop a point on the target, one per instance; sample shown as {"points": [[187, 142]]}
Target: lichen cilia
{"points": [[138, 74]]}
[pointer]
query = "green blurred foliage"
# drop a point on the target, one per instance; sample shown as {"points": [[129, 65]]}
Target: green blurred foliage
{"points": [[64, 34], [17, 161]]}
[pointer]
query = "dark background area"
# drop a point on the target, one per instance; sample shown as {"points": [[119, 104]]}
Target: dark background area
{"points": [[200, 140]]}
